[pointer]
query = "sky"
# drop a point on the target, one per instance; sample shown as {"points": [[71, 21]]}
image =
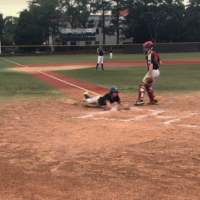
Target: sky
{"points": [[13, 7]]}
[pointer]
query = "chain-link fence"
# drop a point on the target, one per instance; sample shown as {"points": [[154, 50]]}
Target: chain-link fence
{"points": [[92, 49], [57, 49]]}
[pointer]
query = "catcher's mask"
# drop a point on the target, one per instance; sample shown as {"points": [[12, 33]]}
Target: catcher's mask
{"points": [[147, 47], [114, 89]]}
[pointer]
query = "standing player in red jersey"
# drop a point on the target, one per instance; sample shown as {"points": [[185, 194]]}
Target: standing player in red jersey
{"points": [[153, 64]]}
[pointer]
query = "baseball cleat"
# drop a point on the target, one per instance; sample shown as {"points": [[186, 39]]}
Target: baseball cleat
{"points": [[153, 102], [86, 95], [139, 103]]}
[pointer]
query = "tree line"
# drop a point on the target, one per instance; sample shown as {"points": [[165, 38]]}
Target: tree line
{"points": [[156, 20]]}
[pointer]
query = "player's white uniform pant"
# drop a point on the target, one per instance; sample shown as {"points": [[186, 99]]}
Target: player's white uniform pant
{"points": [[154, 76], [100, 59], [147, 84], [93, 100], [111, 55]]}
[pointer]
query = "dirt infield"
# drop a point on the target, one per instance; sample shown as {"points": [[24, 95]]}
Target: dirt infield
{"points": [[60, 150], [53, 150]]}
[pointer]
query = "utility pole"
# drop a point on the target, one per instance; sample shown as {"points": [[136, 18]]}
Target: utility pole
{"points": [[51, 40], [104, 38], [0, 42], [118, 21]]}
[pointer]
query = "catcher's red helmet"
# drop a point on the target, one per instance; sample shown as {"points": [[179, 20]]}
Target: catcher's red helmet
{"points": [[147, 46]]}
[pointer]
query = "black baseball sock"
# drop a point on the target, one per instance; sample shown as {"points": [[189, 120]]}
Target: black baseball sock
{"points": [[97, 66], [102, 66]]}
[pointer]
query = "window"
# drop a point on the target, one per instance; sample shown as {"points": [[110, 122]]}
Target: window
{"points": [[72, 43], [97, 31], [88, 43]]}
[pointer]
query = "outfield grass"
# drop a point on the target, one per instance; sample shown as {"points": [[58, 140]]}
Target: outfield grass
{"points": [[22, 84], [180, 78]]}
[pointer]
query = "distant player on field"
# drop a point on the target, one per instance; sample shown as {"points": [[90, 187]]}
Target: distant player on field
{"points": [[153, 64], [111, 53], [100, 52]]}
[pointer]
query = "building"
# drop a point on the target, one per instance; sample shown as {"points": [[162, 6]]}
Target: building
{"points": [[109, 39]]}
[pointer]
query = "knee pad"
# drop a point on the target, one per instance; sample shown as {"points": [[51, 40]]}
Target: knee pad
{"points": [[142, 87]]}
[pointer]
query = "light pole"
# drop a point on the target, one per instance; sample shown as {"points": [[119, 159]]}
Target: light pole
{"points": [[0, 42], [51, 40], [104, 38]]}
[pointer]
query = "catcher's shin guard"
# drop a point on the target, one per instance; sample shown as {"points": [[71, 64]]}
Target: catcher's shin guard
{"points": [[150, 93], [141, 91]]}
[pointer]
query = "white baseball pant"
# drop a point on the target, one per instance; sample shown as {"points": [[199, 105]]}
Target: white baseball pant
{"points": [[93, 100], [100, 59]]}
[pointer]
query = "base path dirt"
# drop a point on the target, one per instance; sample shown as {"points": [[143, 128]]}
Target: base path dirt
{"points": [[81, 65]]}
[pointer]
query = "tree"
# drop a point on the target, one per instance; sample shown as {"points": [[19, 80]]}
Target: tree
{"points": [[103, 7], [9, 29], [1, 26], [152, 17], [27, 31], [192, 20], [46, 15], [115, 25]]}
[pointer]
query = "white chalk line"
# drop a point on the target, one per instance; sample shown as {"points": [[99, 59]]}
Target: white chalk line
{"points": [[154, 113], [92, 115], [170, 122], [81, 88]]}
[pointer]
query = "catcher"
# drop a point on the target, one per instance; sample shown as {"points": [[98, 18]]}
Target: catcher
{"points": [[153, 64], [107, 100]]}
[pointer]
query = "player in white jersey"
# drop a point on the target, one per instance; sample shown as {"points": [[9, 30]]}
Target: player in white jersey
{"points": [[100, 52]]}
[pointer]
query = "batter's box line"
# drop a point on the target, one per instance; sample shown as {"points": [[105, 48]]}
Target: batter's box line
{"points": [[170, 122], [91, 116]]}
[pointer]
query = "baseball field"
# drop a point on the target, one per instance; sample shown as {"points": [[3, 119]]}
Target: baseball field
{"points": [[51, 147]]}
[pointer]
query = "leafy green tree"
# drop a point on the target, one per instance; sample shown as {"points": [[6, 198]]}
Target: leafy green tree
{"points": [[28, 31], [1, 25], [115, 25], [47, 16], [192, 20], [149, 19], [9, 29]]}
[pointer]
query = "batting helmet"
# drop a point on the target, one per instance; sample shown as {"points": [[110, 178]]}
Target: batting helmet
{"points": [[114, 89], [147, 46]]}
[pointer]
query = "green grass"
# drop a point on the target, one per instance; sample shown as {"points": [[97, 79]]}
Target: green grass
{"points": [[22, 84], [180, 78], [93, 58]]}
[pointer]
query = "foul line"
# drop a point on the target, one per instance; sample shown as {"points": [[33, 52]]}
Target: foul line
{"points": [[81, 88]]}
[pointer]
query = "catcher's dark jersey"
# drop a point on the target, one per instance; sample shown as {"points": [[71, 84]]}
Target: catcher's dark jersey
{"points": [[153, 58], [100, 51], [102, 100]]}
